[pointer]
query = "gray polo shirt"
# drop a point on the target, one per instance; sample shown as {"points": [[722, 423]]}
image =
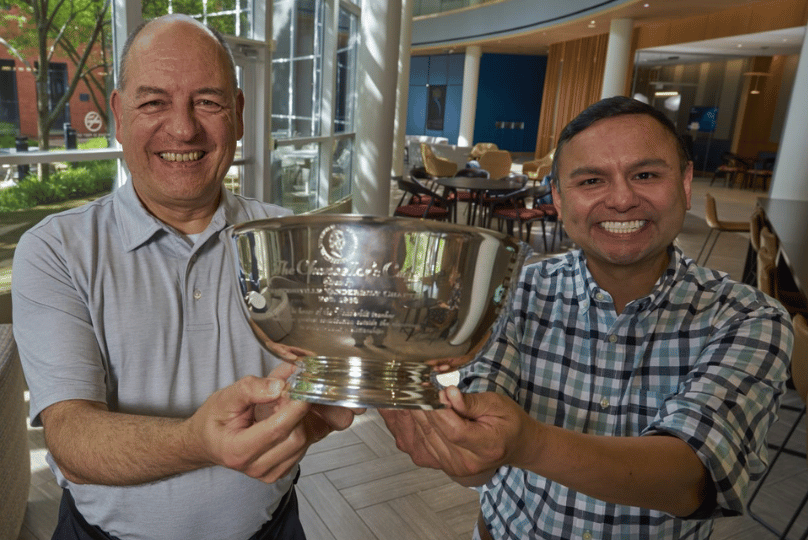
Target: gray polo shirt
{"points": [[112, 305]]}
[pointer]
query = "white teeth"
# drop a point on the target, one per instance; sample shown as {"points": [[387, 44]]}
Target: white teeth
{"points": [[189, 156], [623, 227]]}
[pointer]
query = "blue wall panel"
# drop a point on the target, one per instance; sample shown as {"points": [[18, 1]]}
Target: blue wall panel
{"points": [[455, 69], [438, 69], [509, 95], [509, 91], [419, 70], [416, 110]]}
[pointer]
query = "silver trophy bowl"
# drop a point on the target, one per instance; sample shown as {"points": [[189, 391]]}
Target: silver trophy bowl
{"points": [[373, 308]]}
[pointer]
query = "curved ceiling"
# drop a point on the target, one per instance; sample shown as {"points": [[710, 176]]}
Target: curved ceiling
{"points": [[521, 27]]}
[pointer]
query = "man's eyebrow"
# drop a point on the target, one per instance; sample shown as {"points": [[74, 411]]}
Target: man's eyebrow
{"points": [[147, 90], [210, 90], [152, 90], [597, 171]]}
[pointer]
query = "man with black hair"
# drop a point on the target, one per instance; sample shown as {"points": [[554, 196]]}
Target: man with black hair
{"points": [[626, 392]]}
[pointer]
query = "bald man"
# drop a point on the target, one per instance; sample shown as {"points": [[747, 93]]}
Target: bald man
{"points": [[143, 372]]}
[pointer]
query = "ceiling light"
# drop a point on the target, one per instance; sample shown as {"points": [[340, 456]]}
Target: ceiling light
{"points": [[646, 5], [666, 93]]}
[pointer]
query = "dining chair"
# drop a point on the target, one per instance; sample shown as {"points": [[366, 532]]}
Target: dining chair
{"points": [[471, 198], [418, 201], [435, 165], [775, 278], [520, 208], [798, 381], [762, 169], [732, 168], [757, 222], [717, 227]]}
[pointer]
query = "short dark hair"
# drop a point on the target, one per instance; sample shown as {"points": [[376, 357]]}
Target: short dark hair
{"points": [[231, 64], [609, 108]]}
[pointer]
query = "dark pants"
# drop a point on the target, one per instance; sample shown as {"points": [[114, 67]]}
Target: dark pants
{"points": [[284, 525]]}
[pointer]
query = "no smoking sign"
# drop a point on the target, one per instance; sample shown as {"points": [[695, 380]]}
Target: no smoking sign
{"points": [[92, 121]]}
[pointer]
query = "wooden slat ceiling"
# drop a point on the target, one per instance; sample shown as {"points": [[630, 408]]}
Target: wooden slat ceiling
{"points": [[642, 11]]}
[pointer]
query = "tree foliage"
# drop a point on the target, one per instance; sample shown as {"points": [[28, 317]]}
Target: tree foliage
{"points": [[73, 27]]}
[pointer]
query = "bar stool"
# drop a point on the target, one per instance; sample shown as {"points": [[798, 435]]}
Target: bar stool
{"points": [[717, 226], [799, 378]]}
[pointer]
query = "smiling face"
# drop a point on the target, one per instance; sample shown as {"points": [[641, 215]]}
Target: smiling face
{"points": [[622, 194], [178, 119]]}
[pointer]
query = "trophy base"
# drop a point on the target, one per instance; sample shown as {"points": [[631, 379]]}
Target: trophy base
{"points": [[365, 382]]}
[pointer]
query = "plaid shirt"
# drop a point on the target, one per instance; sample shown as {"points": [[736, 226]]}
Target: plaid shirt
{"points": [[702, 358]]}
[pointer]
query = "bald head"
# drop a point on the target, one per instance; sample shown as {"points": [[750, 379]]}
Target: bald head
{"points": [[148, 29]]}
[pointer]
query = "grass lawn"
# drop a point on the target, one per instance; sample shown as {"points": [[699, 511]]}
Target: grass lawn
{"points": [[14, 224]]}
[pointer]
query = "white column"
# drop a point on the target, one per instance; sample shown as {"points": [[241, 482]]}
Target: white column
{"points": [[790, 179], [376, 110], [618, 54], [402, 97], [468, 106]]}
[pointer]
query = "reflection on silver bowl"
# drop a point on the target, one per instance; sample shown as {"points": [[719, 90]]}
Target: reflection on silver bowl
{"points": [[376, 304]]}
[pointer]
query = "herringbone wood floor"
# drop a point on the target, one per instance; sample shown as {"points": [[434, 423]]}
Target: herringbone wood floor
{"points": [[356, 485]]}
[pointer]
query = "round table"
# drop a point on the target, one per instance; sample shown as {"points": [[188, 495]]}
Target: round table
{"points": [[480, 186]]}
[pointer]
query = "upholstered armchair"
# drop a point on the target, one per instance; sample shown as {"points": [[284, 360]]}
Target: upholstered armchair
{"points": [[497, 163], [437, 166], [539, 168], [481, 148], [15, 459]]}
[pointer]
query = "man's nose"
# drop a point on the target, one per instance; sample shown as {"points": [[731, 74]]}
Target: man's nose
{"points": [[622, 196], [182, 123]]}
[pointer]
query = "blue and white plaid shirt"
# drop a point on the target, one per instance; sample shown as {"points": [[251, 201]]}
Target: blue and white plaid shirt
{"points": [[702, 357]]}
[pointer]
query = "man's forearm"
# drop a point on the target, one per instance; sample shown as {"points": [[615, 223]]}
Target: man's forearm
{"points": [[94, 446], [659, 472]]}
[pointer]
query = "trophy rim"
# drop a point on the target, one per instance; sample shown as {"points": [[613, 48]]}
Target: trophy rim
{"points": [[415, 224]]}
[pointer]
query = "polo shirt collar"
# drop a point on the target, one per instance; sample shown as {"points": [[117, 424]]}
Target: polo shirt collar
{"points": [[137, 226]]}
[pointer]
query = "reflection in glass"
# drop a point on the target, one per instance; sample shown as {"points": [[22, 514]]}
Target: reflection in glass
{"points": [[341, 170], [346, 72], [295, 171]]}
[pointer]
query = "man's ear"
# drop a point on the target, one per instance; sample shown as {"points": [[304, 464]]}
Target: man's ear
{"points": [[556, 199], [117, 111], [239, 115], [688, 182]]}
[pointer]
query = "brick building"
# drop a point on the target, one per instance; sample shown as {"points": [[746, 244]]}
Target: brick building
{"points": [[18, 90]]}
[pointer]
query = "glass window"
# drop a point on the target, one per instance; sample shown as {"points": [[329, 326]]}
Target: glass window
{"points": [[9, 109], [230, 17], [345, 99], [296, 68]]}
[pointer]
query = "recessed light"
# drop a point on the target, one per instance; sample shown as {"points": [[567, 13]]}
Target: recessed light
{"points": [[646, 5], [740, 45]]}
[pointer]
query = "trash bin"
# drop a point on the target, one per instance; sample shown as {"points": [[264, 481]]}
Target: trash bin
{"points": [[70, 137], [21, 144]]}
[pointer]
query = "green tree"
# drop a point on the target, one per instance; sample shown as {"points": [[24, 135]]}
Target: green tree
{"points": [[73, 26]]}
